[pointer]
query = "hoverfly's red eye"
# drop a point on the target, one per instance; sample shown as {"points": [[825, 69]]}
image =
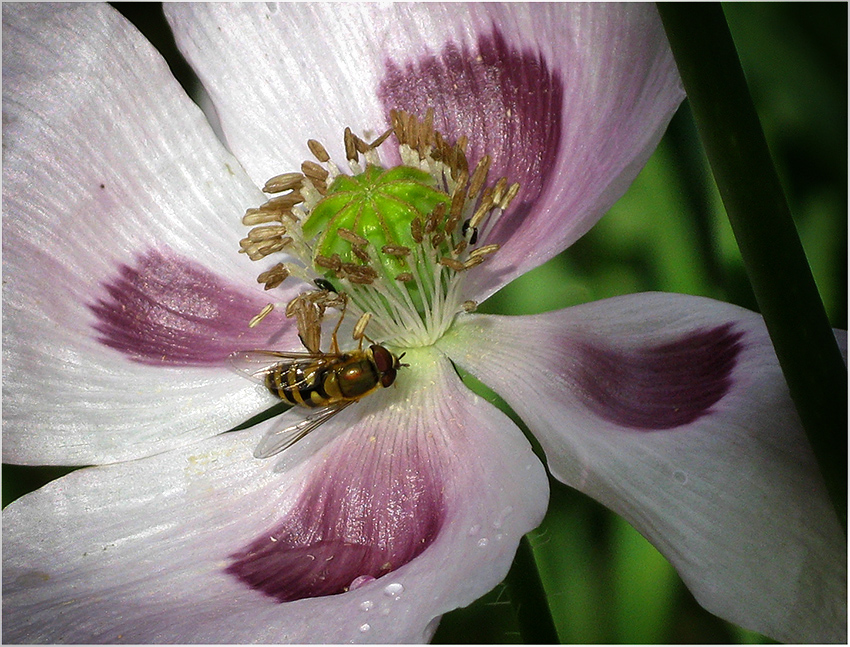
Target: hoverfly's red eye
{"points": [[383, 358], [388, 377]]}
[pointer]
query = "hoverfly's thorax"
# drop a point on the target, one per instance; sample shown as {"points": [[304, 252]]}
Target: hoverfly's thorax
{"points": [[357, 378]]}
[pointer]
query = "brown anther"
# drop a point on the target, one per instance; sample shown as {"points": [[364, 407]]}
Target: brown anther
{"points": [[283, 182], [404, 277], [283, 202], [276, 246], [452, 264], [258, 234], [360, 270], [361, 253], [437, 238], [398, 125], [360, 326], [458, 250], [479, 177], [469, 306], [485, 251], [351, 237], [318, 151], [395, 250], [416, 230], [484, 208], [499, 189], [509, 196], [472, 261], [350, 145], [461, 162], [259, 216], [362, 276], [435, 218], [441, 149], [458, 202], [320, 185], [461, 143], [332, 263], [308, 319], [261, 315], [314, 171], [274, 276], [426, 129], [361, 146], [430, 223]]}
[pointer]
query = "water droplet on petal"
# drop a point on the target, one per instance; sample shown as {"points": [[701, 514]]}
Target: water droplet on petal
{"points": [[367, 605], [365, 627], [357, 582], [483, 542], [393, 590], [500, 519], [680, 477]]}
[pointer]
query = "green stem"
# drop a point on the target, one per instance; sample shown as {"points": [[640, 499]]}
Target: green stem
{"points": [[528, 598], [761, 221]]}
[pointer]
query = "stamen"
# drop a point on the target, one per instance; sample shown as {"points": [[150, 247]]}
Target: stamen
{"points": [[360, 326], [262, 315], [274, 276], [351, 237], [350, 145], [453, 264], [283, 182], [314, 172], [391, 240], [332, 263], [380, 140], [318, 151], [479, 177], [396, 250], [258, 216]]}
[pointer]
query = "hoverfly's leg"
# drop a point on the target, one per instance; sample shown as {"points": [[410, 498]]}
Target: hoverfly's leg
{"points": [[360, 329], [334, 343]]}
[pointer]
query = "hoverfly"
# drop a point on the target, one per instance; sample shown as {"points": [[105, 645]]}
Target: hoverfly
{"points": [[325, 382]]}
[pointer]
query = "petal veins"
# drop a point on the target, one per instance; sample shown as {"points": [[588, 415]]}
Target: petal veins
{"points": [[168, 310]]}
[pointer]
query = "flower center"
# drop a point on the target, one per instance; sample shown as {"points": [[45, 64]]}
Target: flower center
{"points": [[395, 241]]}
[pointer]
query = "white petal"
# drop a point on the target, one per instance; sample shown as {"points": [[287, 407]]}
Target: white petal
{"points": [[106, 161], [568, 99], [140, 551], [672, 411]]}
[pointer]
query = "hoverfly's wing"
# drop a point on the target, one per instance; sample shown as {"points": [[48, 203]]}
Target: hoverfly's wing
{"points": [[256, 364], [276, 440]]}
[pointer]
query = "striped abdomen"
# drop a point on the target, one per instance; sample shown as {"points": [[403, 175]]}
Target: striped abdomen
{"points": [[304, 383], [319, 384]]}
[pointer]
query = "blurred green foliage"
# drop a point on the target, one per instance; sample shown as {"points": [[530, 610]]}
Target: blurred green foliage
{"points": [[604, 582]]}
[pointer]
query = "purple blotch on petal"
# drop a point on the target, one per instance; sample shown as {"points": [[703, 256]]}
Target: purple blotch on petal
{"points": [[357, 519], [167, 310], [507, 102], [659, 387]]}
